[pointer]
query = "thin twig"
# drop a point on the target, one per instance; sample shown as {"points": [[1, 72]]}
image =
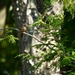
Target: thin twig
{"points": [[33, 37], [10, 28], [37, 39], [28, 35]]}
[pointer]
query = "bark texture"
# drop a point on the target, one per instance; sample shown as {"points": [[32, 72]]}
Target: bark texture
{"points": [[26, 13]]}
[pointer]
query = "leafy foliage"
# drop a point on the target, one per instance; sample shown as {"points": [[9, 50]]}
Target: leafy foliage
{"points": [[69, 5], [64, 47], [9, 65], [65, 39]]}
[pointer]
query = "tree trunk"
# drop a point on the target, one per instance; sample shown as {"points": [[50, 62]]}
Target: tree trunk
{"points": [[2, 16], [26, 13]]}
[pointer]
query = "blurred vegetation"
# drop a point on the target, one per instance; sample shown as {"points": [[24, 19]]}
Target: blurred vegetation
{"points": [[9, 65]]}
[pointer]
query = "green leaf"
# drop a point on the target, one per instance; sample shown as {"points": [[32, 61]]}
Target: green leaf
{"points": [[66, 61]]}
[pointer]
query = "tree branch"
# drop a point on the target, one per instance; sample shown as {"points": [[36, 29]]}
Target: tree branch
{"points": [[28, 35]]}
